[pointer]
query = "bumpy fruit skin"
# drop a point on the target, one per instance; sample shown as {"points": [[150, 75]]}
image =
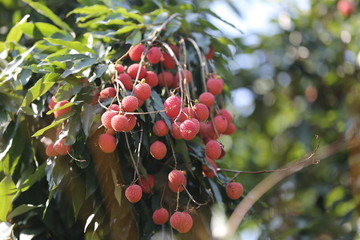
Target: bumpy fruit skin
{"points": [[207, 98], [186, 74], [106, 118], [108, 92], [133, 71], [158, 150], [160, 128], [201, 112], [119, 68], [154, 55], [177, 177], [230, 129], [146, 185], [345, 7], [61, 112], [175, 49], [131, 122], [133, 193], [52, 102], [181, 221], [114, 108], [215, 85], [107, 143], [119, 123], [129, 103], [50, 151], [213, 149], [126, 81], [188, 129], [175, 130], [175, 188], [151, 78], [142, 91], [168, 61], [61, 148], [226, 114], [165, 79], [220, 123], [160, 216], [234, 190], [136, 51], [172, 106], [186, 113]]}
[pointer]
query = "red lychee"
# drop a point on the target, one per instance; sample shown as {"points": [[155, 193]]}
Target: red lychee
{"points": [[119, 123], [220, 123], [230, 129], [210, 54], [154, 55], [133, 193], [50, 150], [146, 184], [207, 98], [151, 79], [234, 190], [201, 111], [160, 216], [60, 112], [186, 74], [181, 221], [126, 80], [213, 149], [106, 118], [142, 91], [61, 148], [129, 103], [131, 122], [108, 92], [177, 177], [119, 68], [215, 85], [136, 71], [136, 51], [188, 129], [107, 143], [165, 79], [168, 61], [158, 150], [175, 130], [160, 128], [172, 106], [345, 7], [52, 102]]}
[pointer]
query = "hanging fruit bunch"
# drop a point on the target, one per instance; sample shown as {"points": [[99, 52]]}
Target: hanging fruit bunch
{"points": [[156, 102]]}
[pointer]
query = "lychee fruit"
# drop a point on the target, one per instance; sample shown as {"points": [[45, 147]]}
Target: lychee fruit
{"points": [[230, 129], [151, 78], [168, 62], [154, 55], [160, 128], [129, 103], [142, 91], [146, 184], [172, 106], [175, 130], [220, 123], [119, 68], [201, 112], [119, 123], [60, 112], [175, 49], [106, 118], [107, 143], [61, 148], [345, 7], [136, 71], [126, 80], [131, 122], [188, 129], [226, 114], [175, 188], [136, 51], [234, 190], [165, 79], [213, 149], [108, 92], [186, 113], [50, 150], [186, 74], [207, 98], [158, 150], [133, 193], [52, 102], [215, 85], [114, 108], [160, 216], [181, 221], [177, 177]]}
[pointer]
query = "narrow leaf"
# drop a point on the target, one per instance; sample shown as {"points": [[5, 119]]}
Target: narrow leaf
{"points": [[55, 123], [78, 46], [7, 193], [78, 66], [33, 178], [44, 10], [24, 208]]}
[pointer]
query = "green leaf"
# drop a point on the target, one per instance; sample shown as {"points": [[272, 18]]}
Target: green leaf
{"points": [[53, 124], [88, 116], [182, 149], [78, 66], [24, 208], [94, 9], [117, 189], [99, 71], [126, 29], [40, 88], [67, 90], [8, 191], [78, 46], [33, 178], [39, 30], [132, 15], [16, 32], [44, 10], [78, 195]]}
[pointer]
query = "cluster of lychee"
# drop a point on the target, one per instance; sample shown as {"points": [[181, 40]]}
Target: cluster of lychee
{"points": [[131, 87]]}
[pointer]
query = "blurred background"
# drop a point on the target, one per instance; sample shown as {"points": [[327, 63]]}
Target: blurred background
{"points": [[292, 71]]}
